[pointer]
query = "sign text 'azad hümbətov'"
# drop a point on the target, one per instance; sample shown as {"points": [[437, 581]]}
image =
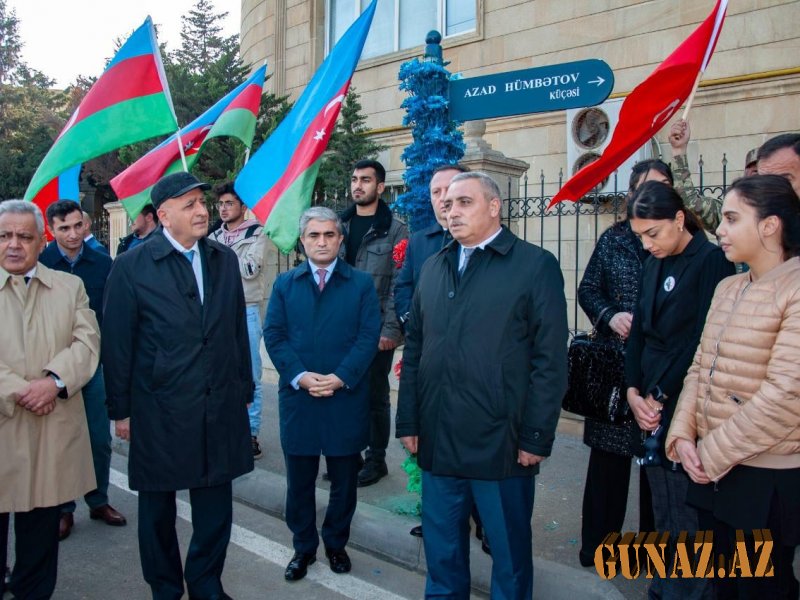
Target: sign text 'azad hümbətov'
{"points": [[541, 89]]}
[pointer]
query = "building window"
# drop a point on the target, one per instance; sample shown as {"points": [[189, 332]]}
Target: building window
{"points": [[400, 24]]}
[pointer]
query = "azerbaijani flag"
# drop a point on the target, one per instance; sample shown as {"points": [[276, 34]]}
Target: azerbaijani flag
{"points": [[63, 187], [278, 181], [234, 116], [651, 104], [130, 102]]}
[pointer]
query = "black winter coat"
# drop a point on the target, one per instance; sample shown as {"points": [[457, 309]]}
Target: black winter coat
{"points": [[611, 284], [178, 368], [485, 361], [666, 332], [421, 246]]}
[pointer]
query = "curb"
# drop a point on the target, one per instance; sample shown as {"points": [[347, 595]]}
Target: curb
{"points": [[385, 534]]}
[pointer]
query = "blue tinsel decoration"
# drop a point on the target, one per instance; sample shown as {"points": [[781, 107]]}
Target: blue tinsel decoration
{"points": [[436, 139]]}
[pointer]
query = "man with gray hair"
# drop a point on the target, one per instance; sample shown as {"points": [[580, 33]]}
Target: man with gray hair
{"points": [[50, 350], [322, 329], [484, 373]]}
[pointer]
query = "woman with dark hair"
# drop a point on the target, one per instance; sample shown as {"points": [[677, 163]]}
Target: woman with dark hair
{"points": [[737, 422], [607, 294], [678, 281]]}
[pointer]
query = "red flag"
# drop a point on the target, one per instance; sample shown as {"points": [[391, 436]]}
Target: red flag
{"points": [[651, 104]]}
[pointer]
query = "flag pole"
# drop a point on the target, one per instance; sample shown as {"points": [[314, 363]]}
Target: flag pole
{"points": [[247, 148], [690, 99], [180, 147]]}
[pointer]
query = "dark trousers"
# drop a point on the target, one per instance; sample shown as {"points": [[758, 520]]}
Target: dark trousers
{"points": [[212, 515], [379, 411], [301, 505], [94, 401], [36, 545], [605, 499], [672, 514], [505, 506], [783, 586]]}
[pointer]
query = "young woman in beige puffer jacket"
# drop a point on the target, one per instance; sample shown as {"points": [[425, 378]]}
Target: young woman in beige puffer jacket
{"points": [[736, 428]]}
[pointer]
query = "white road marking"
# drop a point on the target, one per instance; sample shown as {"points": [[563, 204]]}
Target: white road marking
{"points": [[346, 585]]}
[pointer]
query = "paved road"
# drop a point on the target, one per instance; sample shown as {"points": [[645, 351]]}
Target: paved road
{"points": [[98, 562]]}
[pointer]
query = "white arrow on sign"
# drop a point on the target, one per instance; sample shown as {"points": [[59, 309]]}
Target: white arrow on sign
{"points": [[599, 81]]}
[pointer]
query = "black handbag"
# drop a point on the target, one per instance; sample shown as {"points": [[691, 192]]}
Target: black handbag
{"points": [[596, 386]]}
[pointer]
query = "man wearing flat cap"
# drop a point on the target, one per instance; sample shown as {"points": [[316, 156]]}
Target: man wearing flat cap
{"points": [[177, 361]]}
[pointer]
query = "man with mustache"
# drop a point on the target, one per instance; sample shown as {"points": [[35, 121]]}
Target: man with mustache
{"points": [[484, 373]]}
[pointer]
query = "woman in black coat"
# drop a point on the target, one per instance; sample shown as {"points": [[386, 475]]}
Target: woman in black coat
{"points": [[678, 282], [607, 294]]}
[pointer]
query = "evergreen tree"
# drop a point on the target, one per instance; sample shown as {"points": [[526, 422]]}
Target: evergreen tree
{"points": [[201, 42], [205, 68], [349, 143], [31, 113]]}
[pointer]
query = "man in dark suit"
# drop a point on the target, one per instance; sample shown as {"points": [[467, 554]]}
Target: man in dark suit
{"points": [[69, 252], [145, 223], [322, 329], [426, 242], [484, 373], [177, 361]]}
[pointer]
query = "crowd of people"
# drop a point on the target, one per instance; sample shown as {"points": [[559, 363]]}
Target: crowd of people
{"points": [[164, 341], [712, 396]]}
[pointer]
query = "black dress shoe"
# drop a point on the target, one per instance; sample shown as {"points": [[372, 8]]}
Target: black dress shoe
{"points": [[372, 473], [298, 566], [339, 561]]}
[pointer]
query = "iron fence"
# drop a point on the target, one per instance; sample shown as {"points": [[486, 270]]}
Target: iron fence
{"points": [[570, 230]]}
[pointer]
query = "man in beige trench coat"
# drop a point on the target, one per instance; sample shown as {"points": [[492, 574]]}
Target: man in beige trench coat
{"points": [[49, 351]]}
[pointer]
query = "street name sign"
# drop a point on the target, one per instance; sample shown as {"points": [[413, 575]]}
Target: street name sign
{"points": [[541, 89]]}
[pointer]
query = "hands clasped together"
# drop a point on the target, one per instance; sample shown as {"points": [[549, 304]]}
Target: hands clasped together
{"points": [[39, 397], [320, 386]]}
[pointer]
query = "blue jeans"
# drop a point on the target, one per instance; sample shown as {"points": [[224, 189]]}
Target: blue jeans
{"points": [[254, 328], [94, 401]]}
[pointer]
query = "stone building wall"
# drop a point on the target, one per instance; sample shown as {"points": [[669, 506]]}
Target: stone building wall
{"points": [[750, 91]]}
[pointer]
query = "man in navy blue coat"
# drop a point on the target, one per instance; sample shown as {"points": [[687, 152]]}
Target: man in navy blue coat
{"points": [[71, 253], [322, 329], [426, 242]]}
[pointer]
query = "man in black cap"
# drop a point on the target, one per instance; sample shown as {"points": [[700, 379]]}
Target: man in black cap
{"points": [[177, 362]]}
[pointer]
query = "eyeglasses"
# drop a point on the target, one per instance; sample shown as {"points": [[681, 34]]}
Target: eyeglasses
{"points": [[227, 204]]}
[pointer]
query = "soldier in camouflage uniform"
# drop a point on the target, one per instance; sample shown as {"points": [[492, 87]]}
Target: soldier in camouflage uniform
{"points": [[708, 208]]}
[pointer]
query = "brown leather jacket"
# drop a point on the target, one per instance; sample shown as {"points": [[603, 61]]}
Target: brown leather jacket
{"points": [[749, 411]]}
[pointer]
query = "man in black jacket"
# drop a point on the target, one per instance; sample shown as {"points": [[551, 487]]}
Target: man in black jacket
{"points": [[70, 253], [177, 360], [142, 226], [371, 233], [484, 373], [426, 242]]}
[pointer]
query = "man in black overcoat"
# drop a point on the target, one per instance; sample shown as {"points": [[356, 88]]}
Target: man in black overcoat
{"points": [[484, 373], [177, 362]]}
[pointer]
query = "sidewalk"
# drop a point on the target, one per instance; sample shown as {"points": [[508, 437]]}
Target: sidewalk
{"points": [[382, 520]]}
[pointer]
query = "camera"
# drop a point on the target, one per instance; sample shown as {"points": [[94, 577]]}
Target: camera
{"points": [[652, 447]]}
